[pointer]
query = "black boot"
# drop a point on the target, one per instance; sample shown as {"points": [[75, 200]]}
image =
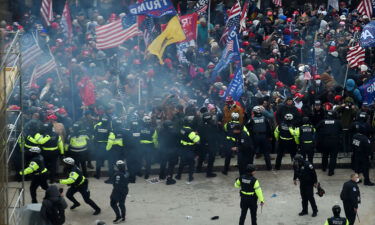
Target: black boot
{"points": [[170, 181]]}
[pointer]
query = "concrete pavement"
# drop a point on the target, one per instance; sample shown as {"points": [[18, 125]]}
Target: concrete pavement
{"points": [[204, 198]]}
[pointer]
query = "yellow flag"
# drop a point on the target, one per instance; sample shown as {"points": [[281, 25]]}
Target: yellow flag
{"points": [[172, 34]]}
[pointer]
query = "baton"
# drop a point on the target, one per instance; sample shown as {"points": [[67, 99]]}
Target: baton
{"points": [[261, 210], [359, 221]]}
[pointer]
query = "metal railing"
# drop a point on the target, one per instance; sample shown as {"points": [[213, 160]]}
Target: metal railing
{"points": [[11, 198]]}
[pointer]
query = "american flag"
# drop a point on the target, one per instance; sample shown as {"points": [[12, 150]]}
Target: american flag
{"points": [[149, 30], [46, 11], [30, 51], [233, 20], [365, 7], [278, 3], [66, 22], [114, 34], [244, 15], [201, 7], [42, 69], [356, 55]]}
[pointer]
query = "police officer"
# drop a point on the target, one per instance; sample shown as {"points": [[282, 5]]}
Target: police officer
{"points": [[239, 142], [209, 134], [305, 173], [133, 142], [115, 146], [188, 141], [52, 146], [101, 135], [351, 197], [168, 140], [78, 183], [260, 130], [76, 147], [120, 181], [232, 137], [148, 143], [361, 146], [305, 137], [329, 133], [39, 171], [285, 135], [250, 194], [336, 219]]}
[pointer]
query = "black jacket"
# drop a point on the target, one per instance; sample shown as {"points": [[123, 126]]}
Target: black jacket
{"points": [[53, 207], [350, 194]]}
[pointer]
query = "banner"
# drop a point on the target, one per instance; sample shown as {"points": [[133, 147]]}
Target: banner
{"points": [[153, 8], [201, 7], [189, 25], [172, 34], [231, 53], [368, 92], [368, 36], [235, 88]]}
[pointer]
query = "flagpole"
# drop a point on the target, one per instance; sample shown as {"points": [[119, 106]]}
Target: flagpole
{"points": [[209, 18]]}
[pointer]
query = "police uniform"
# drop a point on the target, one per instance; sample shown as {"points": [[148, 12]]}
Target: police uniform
{"points": [[329, 135], [52, 146], [101, 135], [148, 144], [285, 135], [250, 194], [305, 173], [77, 149], [336, 221], [235, 140], [120, 181], [39, 172], [305, 137], [133, 149], [261, 133], [350, 196], [362, 149], [169, 143], [188, 141], [209, 134], [116, 148], [78, 183]]}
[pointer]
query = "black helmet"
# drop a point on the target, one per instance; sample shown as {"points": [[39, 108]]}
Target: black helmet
{"points": [[47, 128], [336, 209], [104, 119], [362, 116], [330, 114], [298, 158], [250, 168], [305, 120]]}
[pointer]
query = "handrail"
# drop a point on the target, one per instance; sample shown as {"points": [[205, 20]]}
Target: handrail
{"points": [[14, 147]]}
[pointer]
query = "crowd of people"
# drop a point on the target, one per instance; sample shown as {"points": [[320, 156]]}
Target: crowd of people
{"points": [[122, 104]]}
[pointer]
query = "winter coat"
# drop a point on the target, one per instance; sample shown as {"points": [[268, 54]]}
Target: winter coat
{"points": [[53, 207]]}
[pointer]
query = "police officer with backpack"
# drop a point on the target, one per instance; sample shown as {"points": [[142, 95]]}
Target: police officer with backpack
{"points": [[260, 130], [305, 137], [77, 183], [336, 219]]}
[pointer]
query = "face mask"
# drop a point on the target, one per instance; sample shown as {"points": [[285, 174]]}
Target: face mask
{"points": [[318, 82], [357, 180]]}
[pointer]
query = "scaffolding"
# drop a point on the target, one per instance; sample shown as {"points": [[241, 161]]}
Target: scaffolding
{"points": [[11, 130]]}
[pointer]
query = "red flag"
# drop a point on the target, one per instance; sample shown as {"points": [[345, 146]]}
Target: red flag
{"points": [[46, 11], [66, 22], [189, 25]]}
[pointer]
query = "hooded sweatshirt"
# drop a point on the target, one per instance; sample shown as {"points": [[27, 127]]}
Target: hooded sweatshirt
{"points": [[53, 207]]}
